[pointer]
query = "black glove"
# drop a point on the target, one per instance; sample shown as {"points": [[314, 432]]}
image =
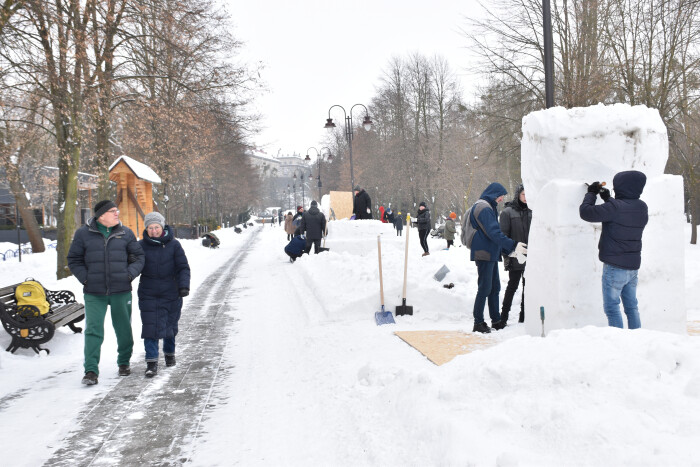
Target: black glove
{"points": [[184, 292], [594, 188], [604, 194]]}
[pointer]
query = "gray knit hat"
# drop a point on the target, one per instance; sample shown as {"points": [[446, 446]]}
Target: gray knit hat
{"points": [[153, 218]]}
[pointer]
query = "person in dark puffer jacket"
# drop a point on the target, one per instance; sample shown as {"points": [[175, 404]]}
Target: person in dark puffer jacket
{"points": [[423, 221], [313, 223], [105, 257], [620, 247], [486, 249], [515, 223], [165, 280]]}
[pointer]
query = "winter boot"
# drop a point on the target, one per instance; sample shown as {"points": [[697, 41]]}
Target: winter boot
{"points": [[151, 369], [90, 378], [124, 370], [482, 328], [521, 318], [170, 360], [498, 325]]}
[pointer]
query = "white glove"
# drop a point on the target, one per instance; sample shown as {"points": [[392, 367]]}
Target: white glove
{"points": [[520, 252], [369, 211]]}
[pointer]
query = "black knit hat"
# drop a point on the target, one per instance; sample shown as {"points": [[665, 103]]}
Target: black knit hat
{"points": [[422, 203], [103, 206]]}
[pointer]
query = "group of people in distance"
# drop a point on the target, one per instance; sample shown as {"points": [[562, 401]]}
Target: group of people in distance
{"points": [[106, 257]]}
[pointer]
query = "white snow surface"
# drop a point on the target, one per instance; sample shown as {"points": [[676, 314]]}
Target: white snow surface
{"points": [[141, 170], [313, 380]]}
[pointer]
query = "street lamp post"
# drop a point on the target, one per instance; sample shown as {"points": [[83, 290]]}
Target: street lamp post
{"points": [[366, 124], [548, 55], [319, 157], [303, 195]]}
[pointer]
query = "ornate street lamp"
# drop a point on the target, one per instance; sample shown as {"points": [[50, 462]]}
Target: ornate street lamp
{"points": [[366, 124], [319, 156]]}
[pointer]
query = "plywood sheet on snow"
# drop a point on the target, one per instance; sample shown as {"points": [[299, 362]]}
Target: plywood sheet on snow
{"points": [[442, 346], [341, 204], [694, 328]]}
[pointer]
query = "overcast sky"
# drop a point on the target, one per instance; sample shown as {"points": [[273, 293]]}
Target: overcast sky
{"points": [[320, 53]]}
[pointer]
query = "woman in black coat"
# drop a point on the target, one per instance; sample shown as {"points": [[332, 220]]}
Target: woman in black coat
{"points": [[515, 223], [423, 222], [165, 279]]}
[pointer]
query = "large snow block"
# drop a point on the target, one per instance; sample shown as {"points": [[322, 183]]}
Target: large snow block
{"points": [[561, 151]]}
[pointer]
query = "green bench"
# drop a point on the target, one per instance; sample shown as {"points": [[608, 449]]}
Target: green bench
{"points": [[28, 330]]}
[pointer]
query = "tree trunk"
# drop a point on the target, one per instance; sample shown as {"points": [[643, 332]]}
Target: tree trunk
{"points": [[20, 194], [67, 199]]}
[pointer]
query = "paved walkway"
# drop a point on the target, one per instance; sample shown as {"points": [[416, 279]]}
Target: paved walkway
{"points": [[143, 421]]}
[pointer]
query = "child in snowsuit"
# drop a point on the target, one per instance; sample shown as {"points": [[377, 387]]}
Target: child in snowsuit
{"points": [[450, 229]]}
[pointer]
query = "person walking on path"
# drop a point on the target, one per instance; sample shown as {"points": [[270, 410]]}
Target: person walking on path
{"points": [[313, 222], [105, 257], [381, 214], [288, 225], [165, 280], [398, 223], [487, 245], [620, 247], [450, 229], [423, 221], [362, 204], [296, 221], [515, 223]]}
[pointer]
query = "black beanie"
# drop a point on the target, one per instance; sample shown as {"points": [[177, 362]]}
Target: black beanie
{"points": [[422, 203], [103, 206]]}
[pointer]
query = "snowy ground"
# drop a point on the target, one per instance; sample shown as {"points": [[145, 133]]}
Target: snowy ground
{"points": [[307, 378]]}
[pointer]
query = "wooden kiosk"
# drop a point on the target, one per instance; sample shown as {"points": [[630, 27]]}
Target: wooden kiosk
{"points": [[134, 182]]}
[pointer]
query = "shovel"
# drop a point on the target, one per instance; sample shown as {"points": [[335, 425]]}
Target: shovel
{"points": [[382, 317], [404, 309], [323, 248]]}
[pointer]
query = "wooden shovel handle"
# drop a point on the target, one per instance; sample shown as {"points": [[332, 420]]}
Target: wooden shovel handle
{"points": [[405, 266], [381, 282]]}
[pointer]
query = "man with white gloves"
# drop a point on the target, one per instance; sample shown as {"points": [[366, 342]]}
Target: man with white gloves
{"points": [[488, 244]]}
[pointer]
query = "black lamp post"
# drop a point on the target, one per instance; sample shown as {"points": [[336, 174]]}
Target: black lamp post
{"points": [[319, 156], [548, 55], [366, 124], [303, 194]]}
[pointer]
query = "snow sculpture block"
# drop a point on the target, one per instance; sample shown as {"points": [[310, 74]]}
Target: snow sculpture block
{"points": [[561, 151]]}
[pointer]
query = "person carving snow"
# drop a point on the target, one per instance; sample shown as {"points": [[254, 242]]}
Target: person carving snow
{"points": [[620, 247]]}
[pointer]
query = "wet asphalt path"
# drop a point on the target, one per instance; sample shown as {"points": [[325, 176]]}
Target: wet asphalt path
{"points": [[155, 421]]}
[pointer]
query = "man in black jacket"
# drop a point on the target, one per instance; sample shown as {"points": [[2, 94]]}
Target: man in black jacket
{"points": [[105, 257], [620, 247], [362, 204], [423, 221], [515, 223], [313, 222]]}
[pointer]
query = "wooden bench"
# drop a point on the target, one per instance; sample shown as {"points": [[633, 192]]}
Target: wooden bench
{"points": [[28, 330]]}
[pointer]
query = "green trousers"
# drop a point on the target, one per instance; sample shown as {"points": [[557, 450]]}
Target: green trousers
{"points": [[95, 311]]}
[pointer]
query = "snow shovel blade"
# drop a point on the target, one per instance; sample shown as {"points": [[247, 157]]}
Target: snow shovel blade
{"points": [[404, 309], [384, 317], [322, 249]]}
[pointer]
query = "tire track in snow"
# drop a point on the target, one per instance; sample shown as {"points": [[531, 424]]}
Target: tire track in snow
{"points": [[151, 421]]}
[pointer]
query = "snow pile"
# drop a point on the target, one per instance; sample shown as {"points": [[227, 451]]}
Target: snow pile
{"points": [[562, 149]]}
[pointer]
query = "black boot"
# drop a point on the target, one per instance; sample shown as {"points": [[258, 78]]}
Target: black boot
{"points": [[151, 369], [90, 378], [482, 328], [124, 370], [499, 324], [521, 318], [170, 360]]}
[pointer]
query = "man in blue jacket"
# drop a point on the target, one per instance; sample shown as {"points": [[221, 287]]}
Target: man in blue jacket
{"points": [[105, 257], [486, 248], [620, 247]]}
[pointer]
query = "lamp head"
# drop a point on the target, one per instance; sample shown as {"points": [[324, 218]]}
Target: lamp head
{"points": [[307, 158], [329, 124], [367, 123]]}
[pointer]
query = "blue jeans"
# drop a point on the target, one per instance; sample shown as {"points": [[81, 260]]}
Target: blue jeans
{"points": [[151, 346], [619, 284], [489, 288]]}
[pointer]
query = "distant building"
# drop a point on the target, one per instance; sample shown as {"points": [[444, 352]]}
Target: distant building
{"points": [[267, 166]]}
